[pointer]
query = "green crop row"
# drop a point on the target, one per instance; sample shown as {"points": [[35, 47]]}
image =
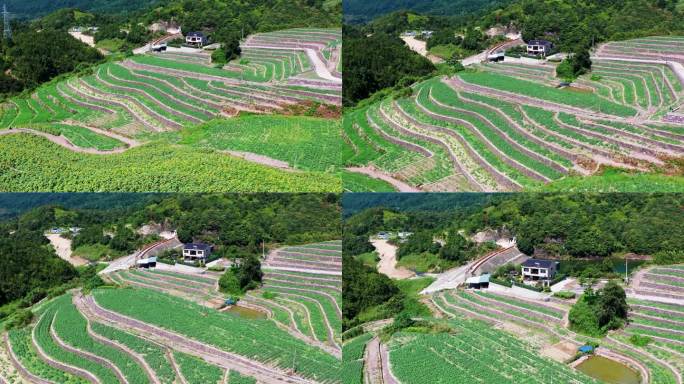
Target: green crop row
{"points": [[34, 164], [196, 370], [465, 355], [258, 339], [445, 95], [354, 348], [519, 303], [319, 320], [29, 359], [152, 353], [315, 328], [174, 65], [442, 166], [305, 143], [424, 100], [655, 323], [70, 325], [581, 100], [296, 275], [161, 89], [184, 276], [236, 378], [54, 351], [328, 305]]}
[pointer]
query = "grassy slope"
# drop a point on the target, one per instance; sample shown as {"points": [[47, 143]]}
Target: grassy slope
{"points": [[303, 142], [615, 180], [356, 182], [34, 164]]}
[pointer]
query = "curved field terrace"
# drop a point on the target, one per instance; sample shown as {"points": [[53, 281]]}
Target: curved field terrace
{"points": [[513, 127], [153, 99]]}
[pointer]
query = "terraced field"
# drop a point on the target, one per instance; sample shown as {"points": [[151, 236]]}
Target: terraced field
{"points": [[662, 322], [105, 339], [658, 50], [659, 361], [667, 48], [352, 359], [666, 282], [507, 127], [144, 101], [465, 355], [306, 303], [303, 291], [302, 56]]}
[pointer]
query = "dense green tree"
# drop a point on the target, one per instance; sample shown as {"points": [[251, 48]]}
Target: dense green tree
{"points": [[248, 273], [595, 313], [376, 62], [419, 242], [457, 248], [363, 288], [28, 263], [43, 55]]}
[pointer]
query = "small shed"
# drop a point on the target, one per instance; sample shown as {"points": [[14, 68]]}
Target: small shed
{"points": [[149, 262], [478, 282], [586, 349]]}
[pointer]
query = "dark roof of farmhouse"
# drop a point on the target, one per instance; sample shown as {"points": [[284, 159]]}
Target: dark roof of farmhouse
{"points": [[539, 42], [196, 34], [197, 246], [539, 263]]}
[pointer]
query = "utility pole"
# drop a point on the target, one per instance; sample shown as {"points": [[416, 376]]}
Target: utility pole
{"points": [[626, 278], [5, 19]]}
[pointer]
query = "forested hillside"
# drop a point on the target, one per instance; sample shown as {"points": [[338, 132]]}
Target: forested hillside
{"points": [[36, 8], [573, 23], [561, 225], [360, 11], [235, 224]]}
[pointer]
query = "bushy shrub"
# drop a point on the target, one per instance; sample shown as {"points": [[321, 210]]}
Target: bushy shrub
{"points": [[639, 340], [18, 319], [228, 283], [565, 295]]}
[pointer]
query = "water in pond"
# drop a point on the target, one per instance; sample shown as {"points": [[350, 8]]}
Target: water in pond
{"points": [[608, 371], [246, 312]]}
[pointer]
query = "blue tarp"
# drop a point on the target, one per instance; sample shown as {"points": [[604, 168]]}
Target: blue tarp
{"points": [[586, 348]]}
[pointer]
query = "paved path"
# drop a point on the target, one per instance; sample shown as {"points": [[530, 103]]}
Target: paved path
{"points": [[420, 47], [128, 261], [62, 247], [448, 280]]}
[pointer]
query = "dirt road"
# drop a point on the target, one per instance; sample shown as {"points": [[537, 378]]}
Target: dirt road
{"points": [[90, 40], [372, 172], [64, 142], [388, 261], [420, 47], [62, 247]]}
